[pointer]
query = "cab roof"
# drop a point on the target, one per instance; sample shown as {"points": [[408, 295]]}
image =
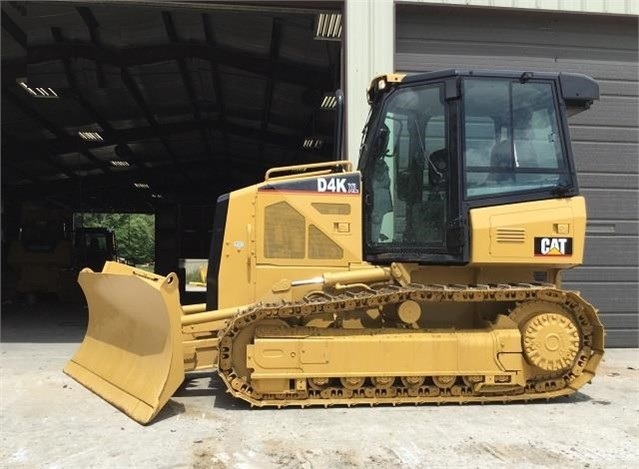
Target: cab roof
{"points": [[577, 90]]}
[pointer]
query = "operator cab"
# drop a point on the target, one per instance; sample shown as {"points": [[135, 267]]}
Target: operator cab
{"points": [[94, 246], [438, 144]]}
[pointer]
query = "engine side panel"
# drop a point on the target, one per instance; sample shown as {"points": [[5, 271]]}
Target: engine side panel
{"points": [[546, 232], [312, 221], [285, 229]]}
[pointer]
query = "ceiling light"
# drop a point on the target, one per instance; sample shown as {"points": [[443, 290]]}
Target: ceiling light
{"points": [[38, 92], [329, 101], [312, 143], [140, 185], [328, 26], [90, 136], [120, 163], [157, 196]]}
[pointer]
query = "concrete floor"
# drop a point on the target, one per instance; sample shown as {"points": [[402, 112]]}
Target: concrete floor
{"points": [[47, 420]]}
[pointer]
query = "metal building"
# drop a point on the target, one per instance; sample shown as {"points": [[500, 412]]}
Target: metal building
{"points": [[243, 82]]}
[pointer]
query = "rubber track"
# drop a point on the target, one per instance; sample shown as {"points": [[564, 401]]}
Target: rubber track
{"points": [[544, 387]]}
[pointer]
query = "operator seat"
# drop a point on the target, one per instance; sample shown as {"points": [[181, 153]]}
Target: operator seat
{"points": [[502, 163]]}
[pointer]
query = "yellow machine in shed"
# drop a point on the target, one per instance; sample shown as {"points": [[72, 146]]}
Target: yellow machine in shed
{"points": [[49, 253], [432, 274]]}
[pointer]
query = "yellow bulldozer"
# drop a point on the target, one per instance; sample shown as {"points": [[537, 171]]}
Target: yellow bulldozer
{"points": [[431, 274], [48, 253]]}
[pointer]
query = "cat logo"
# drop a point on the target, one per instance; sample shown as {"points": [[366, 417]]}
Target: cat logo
{"points": [[553, 246]]}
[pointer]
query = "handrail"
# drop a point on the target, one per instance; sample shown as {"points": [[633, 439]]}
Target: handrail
{"points": [[320, 168]]}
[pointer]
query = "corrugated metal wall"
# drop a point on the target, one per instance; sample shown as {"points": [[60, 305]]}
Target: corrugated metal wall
{"points": [[621, 7], [605, 139]]}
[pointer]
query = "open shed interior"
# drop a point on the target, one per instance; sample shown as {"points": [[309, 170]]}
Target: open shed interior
{"points": [[160, 107]]}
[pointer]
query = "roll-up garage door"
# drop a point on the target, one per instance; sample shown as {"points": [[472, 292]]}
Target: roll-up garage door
{"points": [[605, 139]]}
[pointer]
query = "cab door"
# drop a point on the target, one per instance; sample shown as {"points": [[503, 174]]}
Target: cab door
{"points": [[409, 170]]}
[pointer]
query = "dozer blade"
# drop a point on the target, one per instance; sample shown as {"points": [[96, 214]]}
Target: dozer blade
{"points": [[131, 355]]}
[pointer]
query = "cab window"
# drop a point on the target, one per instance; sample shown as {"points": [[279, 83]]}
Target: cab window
{"points": [[407, 171], [511, 138]]}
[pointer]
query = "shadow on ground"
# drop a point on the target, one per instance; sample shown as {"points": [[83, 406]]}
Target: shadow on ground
{"points": [[45, 320]]}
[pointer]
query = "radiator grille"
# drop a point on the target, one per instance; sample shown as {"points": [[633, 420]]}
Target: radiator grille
{"points": [[321, 246], [284, 235], [332, 209]]}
